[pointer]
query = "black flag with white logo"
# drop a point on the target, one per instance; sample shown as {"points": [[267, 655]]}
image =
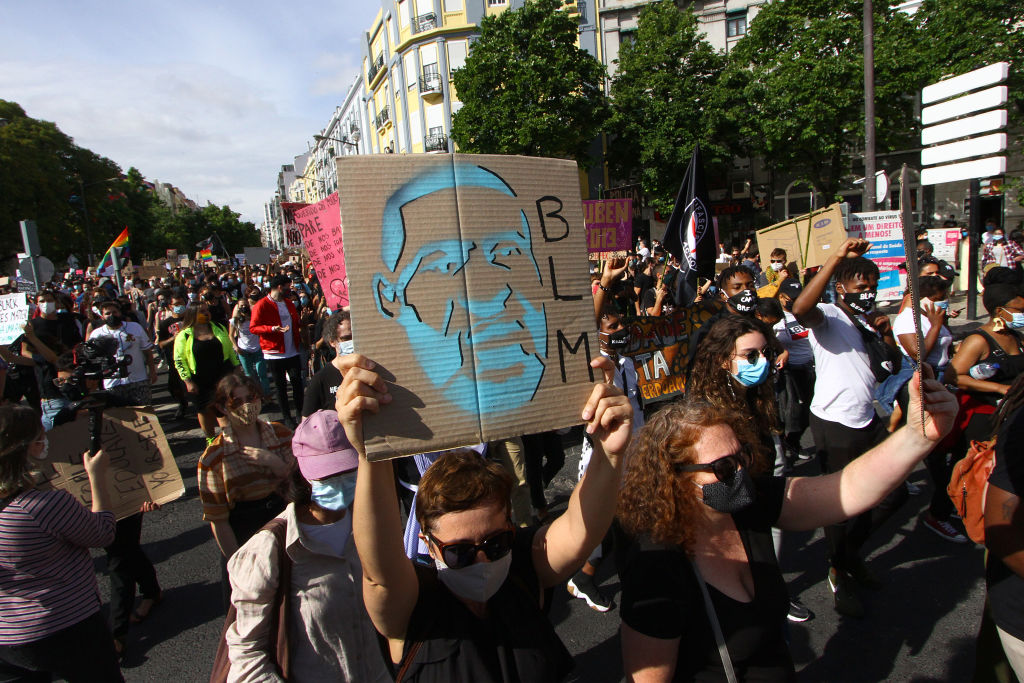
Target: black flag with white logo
{"points": [[690, 234]]}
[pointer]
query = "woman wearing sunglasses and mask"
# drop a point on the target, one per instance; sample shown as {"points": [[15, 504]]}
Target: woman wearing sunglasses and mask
{"points": [[476, 614], [330, 637], [696, 503]]}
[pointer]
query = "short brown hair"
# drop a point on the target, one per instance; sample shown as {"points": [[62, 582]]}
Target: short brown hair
{"points": [[227, 385], [778, 252], [461, 480], [656, 502], [19, 427]]}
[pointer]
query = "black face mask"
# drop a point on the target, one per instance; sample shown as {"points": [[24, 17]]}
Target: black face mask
{"points": [[618, 340], [112, 320], [730, 496], [745, 302], [860, 302], [788, 305]]}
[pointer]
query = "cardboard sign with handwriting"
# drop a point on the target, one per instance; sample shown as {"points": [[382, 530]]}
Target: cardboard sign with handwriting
{"points": [[142, 467], [320, 224], [808, 240], [469, 284]]}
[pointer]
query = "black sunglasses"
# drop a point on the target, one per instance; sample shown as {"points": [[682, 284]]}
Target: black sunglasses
{"points": [[752, 355], [724, 468], [461, 554]]}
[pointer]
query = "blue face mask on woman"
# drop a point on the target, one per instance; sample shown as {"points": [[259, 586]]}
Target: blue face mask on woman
{"points": [[335, 493], [751, 374], [1016, 321]]}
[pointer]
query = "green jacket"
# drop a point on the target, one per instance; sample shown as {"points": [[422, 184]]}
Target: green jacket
{"points": [[185, 360]]}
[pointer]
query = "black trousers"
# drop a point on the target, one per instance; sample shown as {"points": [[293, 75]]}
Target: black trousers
{"points": [[128, 566], [279, 367], [83, 653], [839, 445], [544, 459]]}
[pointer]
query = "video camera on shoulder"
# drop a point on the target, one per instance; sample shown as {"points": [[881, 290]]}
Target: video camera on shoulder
{"points": [[94, 359]]}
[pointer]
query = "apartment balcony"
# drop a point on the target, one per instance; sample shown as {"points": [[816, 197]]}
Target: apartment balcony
{"points": [[383, 118], [424, 22], [435, 143], [376, 67], [430, 84]]}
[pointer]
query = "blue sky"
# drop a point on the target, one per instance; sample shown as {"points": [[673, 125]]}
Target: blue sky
{"points": [[211, 97]]}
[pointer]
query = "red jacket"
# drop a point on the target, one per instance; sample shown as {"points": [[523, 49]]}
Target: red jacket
{"points": [[265, 318]]}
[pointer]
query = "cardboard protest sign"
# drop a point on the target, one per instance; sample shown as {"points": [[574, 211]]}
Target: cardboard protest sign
{"points": [[257, 256], [320, 224], [142, 467], [469, 286], [240, 258], [151, 271], [884, 229], [13, 316], [172, 255], [609, 225], [659, 347], [807, 240], [183, 261]]}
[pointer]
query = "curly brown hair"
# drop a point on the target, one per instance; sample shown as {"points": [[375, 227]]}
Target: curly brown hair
{"points": [[712, 382], [657, 502]]}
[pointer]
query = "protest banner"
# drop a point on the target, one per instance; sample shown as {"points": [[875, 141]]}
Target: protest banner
{"points": [[147, 272], [240, 259], [13, 316], [142, 467], [183, 261], [884, 229], [320, 224], [808, 240], [469, 286], [6, 281], [944, 243], [172, 255], [609, 224], [659, 346], [257, 256]]}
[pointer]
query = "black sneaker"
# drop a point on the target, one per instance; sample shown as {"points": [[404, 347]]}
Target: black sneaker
{"points": [[798, 613], [844, 594], [582, 586], [860, 573], [179, 414]]}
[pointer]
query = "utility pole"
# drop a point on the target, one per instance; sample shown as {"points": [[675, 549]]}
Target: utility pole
{"points": [[870, 200]]}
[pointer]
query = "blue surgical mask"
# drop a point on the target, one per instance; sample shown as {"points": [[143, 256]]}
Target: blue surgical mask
{"points": [[751, 375], [346, 347], [943, 305], [178, 310], [335, 493], [1017, 321]]}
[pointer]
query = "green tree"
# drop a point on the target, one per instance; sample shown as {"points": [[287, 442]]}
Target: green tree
{"points": [[793, 90], [528, 89], [660, 101]]}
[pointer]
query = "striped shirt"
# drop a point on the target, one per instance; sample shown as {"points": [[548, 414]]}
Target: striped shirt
{"points": [[226, 477], [47, 581]]}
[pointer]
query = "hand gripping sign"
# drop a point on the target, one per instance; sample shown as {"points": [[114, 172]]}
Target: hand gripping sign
{"points": [[468, 282]]}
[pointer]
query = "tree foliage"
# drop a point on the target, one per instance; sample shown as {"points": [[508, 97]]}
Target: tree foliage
{"points": [[527, 88], [660, 101], [46, 177]]}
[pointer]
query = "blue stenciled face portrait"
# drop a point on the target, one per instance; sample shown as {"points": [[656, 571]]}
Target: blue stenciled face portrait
{"points": [[470, 302]]}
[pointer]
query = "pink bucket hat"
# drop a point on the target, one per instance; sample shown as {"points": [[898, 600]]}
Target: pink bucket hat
{"points": [[321, 447]]}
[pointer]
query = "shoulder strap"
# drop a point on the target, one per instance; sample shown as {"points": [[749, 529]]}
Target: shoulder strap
{"points": [[407, 661], [279, 528], [723, 651]]}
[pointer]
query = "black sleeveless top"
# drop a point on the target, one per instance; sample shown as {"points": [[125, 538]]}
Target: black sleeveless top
{"points": [[1009, 366], [514, 642]]}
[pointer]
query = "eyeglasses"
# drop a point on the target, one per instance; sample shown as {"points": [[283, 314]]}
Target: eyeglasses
{"points": [[724, 468], [751, 356], [238, 402], [778, 261], [461, 554]]}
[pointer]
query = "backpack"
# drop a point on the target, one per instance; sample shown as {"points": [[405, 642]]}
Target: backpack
{"points": [[279, 625], [969, 485]]}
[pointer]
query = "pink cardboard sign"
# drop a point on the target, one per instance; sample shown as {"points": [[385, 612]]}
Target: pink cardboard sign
{"points": [[609, 224], [320, 225]]}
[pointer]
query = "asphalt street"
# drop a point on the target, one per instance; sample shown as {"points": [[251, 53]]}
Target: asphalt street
{"points": [[920, 626]]}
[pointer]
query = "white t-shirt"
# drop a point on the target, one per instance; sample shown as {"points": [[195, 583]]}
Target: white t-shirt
{"points": [[131, 341], [247, 341], [795, 338], [289, 340], [904, 324], [845, 384]]}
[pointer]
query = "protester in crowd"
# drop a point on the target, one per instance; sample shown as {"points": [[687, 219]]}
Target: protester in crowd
{"points": [[320, 394], [843, 419], [777, 263], [132, 342], [243, 471], [276, 322], [1004, 528], [1001, 252], [677, 544], [735, 295], [247, 344], [50, 321], [39, 357], [482, 603], [203, 354], [217, 303], [50, 618], [330, 637], [795, 385], [989, 360], [170, 323]]}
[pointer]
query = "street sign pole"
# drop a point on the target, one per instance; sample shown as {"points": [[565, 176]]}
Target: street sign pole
{"points": [[115, 257], [973, 237], [30, 240]]}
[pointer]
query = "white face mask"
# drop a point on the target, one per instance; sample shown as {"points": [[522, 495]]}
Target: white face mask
{"points": [[48, 307], [346, 347], [776, 267], [477, 582]]}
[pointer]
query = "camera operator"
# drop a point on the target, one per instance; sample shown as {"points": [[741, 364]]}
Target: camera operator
{"points": [[133, 344]]}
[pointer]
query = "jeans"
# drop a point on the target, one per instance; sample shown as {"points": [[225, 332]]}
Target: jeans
{"points": [[83, 653], [52, 406], [292, 366], [127, 566], [255, 366]]}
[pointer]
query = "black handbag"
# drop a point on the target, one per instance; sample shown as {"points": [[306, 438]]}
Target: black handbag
{"points": [[883, 359]]}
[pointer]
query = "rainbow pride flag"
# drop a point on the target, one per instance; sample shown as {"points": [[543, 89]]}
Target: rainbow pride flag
{"points": [[206, 254], [106, 266]]}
